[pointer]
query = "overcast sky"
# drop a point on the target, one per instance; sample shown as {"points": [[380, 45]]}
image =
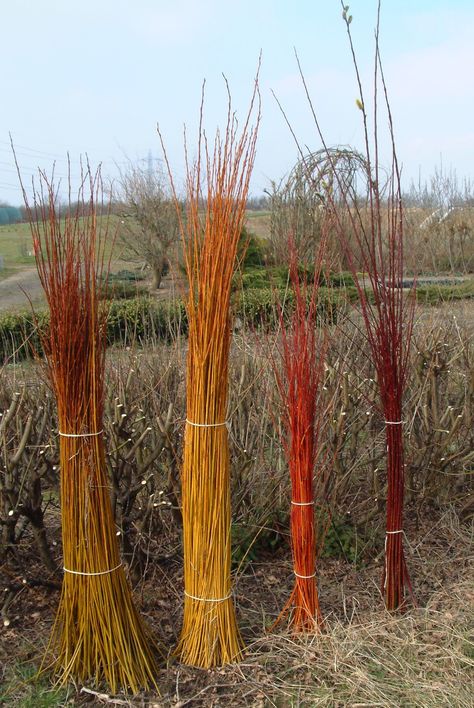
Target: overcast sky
{"points": [[96, 76]]}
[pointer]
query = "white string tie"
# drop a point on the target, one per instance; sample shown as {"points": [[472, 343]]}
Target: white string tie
{"points": [[101, 572], [394, 422], [208, 599], [304, 577], [389, 533], [310, 503], [80, 435], [207, 425]]}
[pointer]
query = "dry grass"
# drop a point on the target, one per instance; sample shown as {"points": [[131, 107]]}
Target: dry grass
{"points": [[366, 657], [420, 659]]}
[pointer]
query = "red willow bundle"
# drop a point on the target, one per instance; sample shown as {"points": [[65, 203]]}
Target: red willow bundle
{"points": [[216, 206], [299, 375], [98, 634], [372, 237]]}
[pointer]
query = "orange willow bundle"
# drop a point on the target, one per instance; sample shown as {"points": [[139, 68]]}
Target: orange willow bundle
{"points": [[210, 233], [98, 634], [299, 375]]}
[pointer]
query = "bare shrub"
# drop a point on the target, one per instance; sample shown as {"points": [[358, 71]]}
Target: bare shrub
{"points": [[440, 225], [28, 467], [144, 426]]}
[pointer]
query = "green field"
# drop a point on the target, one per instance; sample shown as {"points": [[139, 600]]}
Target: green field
{"points": [[16, 246]]}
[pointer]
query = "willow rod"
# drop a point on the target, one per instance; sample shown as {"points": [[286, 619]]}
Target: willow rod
{"points": [[98, 635], [217, 188]]}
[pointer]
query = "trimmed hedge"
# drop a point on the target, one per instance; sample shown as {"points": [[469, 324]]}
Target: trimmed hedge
{"points": [[134, 321], [278, 277], [435, 294], [261, 307], [144, 320]]}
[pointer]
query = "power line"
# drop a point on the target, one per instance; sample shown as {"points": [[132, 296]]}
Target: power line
{"points": [[56, 156], [33, 171], [24, 147], [8, 184]]}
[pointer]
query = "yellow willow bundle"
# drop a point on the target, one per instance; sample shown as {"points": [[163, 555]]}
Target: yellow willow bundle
{"points": [[211, 232], [98, 635]]}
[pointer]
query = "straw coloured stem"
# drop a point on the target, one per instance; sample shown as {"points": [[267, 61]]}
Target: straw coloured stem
{"points": [[211, 233], [98, 635]]}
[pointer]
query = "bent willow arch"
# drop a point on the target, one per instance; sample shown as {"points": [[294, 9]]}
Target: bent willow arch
{"points": [[298, 204]]}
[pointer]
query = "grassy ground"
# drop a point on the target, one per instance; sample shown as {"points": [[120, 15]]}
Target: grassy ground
{"points": [[365, 657], [258, 223], [18, 278], [16, 245], [17, 249]]}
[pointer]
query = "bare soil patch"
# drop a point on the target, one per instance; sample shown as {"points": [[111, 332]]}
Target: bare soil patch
{"points": [[16, 289]]}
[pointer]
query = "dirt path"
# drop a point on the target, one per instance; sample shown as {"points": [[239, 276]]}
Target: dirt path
{"points": [[18, 287]]}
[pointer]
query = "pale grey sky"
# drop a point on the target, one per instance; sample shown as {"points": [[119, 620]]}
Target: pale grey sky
{"points": [[96, 76]]}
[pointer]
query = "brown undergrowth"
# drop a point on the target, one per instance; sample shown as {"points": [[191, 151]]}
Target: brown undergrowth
{"points": [[423, 658], [431, 645]]}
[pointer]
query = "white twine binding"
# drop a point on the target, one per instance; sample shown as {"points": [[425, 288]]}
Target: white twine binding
{"points": [[207, 425], [304, 577], [208, 599], [102, 572], [81, 435], [311, 503], [394, 422], [387, 533]]}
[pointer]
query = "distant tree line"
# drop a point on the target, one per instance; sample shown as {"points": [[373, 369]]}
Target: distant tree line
{"points": [[10, 214]]}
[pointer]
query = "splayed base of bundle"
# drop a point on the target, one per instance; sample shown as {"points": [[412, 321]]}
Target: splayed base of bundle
{"points": [[99, 637], [396, 584], [306, 615], [303, 608], [210, 636], [303, 603]]}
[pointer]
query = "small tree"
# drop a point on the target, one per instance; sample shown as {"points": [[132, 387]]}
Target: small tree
{"points": [[150, 223]]}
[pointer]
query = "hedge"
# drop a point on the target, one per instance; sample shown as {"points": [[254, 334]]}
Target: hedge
{"points": [[145, 320], [278, 277], [133, 321]]}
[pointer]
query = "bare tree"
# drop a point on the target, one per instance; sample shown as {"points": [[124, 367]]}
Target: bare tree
{"points": [[150, 223]]}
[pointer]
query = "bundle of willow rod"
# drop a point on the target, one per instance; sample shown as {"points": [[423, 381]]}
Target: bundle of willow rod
{"points": [[373, 243], [299, 376], [98, 634], [211, 232]]}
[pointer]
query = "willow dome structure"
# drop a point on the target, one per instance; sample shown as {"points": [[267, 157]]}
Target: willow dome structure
{"points": [[298, 204]]}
